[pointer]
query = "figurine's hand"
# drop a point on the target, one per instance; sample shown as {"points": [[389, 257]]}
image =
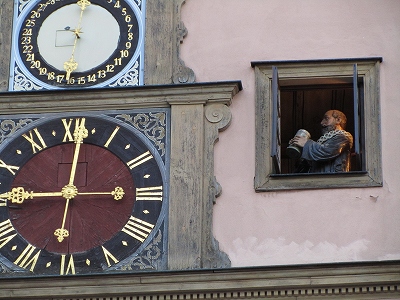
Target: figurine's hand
{"points": [[299, 141]]}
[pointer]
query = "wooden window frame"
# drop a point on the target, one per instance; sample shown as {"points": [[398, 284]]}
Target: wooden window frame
{"points": [[368, 70]]}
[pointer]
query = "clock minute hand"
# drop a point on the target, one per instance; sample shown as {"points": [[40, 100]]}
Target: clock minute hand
{"points": [[83, 4], [80, 133], [71, 65]]}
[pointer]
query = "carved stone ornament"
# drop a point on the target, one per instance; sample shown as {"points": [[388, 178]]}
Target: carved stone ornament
{"points": [[182, 74]]}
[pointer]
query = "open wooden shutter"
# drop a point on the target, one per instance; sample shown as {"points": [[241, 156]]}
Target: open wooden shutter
{"points": [[276, 122], [357, 118]]}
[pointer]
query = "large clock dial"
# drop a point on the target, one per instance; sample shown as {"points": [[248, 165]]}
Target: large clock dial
{"points": [[79, 194], [78, 43]]}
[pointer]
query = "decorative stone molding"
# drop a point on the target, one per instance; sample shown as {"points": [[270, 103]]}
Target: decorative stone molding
{"points": [[377, 280], [164, 34], [181, 73]]}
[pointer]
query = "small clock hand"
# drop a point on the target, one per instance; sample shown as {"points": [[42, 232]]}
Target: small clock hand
{"points": [[62, 233], [71, 65], [118, 193]]}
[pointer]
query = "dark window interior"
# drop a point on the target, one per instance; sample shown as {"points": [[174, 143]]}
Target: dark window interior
{"points": [[303, 103]]}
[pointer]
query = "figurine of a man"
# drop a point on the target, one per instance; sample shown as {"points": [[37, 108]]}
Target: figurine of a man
{"points": [[331, 153]]}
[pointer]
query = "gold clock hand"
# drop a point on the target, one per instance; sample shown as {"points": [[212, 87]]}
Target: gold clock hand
{"points": [[18, 195], [118, 193], [62, 233], [80, 133], [71, 65], [83, 4]]}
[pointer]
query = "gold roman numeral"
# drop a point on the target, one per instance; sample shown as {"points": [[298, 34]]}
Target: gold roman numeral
{"points": [[3, 202], [150, 193], [31, 139], [68, 136], [70, 268], [139, 160], [8, 167], [6, 232], [108, 256], [28, 257], [111, 137], [137, 228]]}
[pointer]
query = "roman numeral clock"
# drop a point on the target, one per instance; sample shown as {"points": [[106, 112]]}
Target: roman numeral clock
{"points": [[83, 193]]}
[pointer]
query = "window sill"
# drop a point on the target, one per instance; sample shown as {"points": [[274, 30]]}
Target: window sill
{"points": [[319, 174], [302, 181]]}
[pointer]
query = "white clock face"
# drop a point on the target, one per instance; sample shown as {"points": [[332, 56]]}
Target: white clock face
{"points": [[96, 43], [60, 44]]}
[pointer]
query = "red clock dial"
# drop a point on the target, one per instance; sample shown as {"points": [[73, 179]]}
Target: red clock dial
{"points": [[90, 218], [80, 195]]}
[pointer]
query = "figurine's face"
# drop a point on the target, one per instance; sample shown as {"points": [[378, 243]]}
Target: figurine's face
{"points": [[328, 122]]}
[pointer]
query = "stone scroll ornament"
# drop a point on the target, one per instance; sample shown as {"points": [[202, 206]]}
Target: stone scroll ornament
{"points": [[182, 74]]}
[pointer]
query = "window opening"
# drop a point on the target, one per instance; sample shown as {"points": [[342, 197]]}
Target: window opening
{"points": [[291, 95], [301, 104]]}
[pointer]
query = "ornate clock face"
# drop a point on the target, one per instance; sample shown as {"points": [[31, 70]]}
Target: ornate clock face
{"points": [[79, 194], [76, 44]]}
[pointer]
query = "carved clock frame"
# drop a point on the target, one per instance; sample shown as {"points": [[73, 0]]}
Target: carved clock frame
{"points": [[164, 34]]}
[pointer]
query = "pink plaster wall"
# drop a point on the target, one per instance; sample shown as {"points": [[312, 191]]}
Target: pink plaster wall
{"points": [[297, 226]]}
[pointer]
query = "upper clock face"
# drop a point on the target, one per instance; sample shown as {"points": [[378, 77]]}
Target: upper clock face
{"points": [[77, 43], [79, 194]]}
